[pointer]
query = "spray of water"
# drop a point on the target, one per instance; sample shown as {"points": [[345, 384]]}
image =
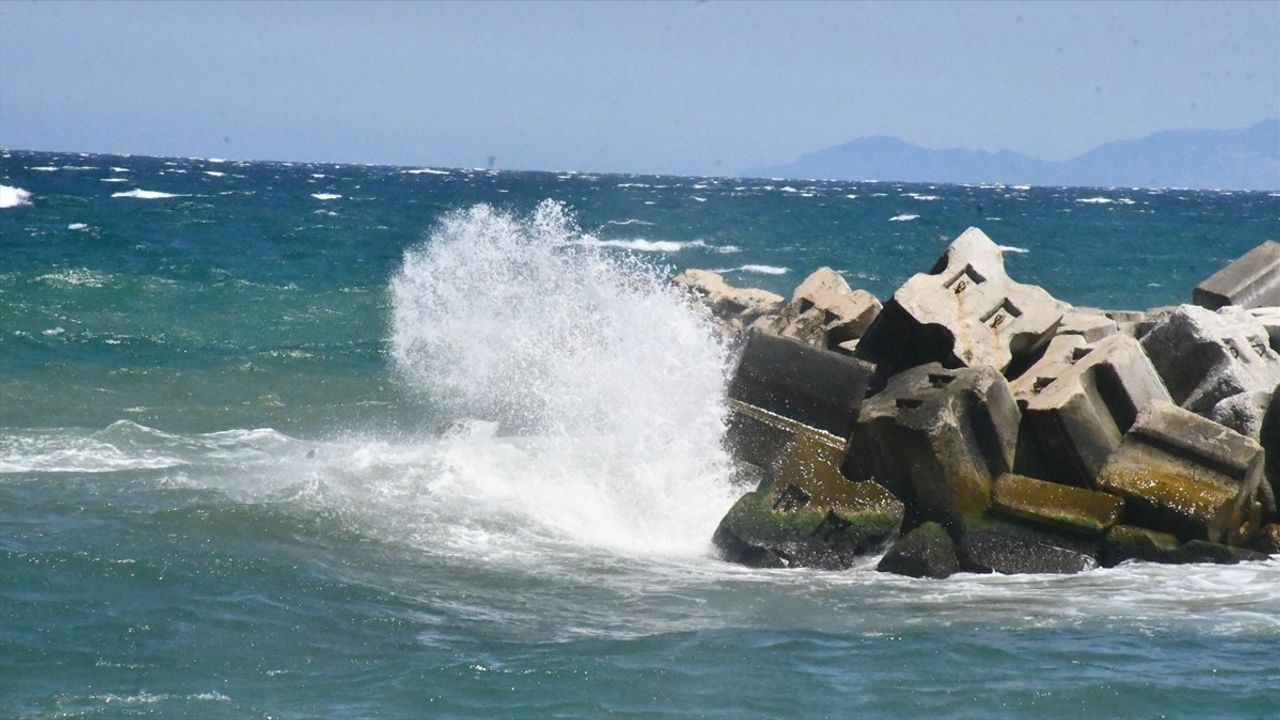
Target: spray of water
{"points": [[605, 382]]}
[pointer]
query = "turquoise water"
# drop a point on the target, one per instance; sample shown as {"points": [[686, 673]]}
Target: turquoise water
{"points": [[233, 482]]}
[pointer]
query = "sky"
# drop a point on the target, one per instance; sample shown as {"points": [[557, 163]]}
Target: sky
{"points": [[678, 87]]}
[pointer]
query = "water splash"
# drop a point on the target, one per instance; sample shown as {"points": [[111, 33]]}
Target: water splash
{"points": [[610, 380]]}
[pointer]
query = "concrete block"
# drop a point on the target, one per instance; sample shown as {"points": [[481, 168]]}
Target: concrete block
{"points": [[1269, 319], [1092, 325], [733, 308], [826, 312], [1009, 548], [1204, 356], [1080, 399], [808, 514], [1252, 280], [937, 438], [781, 384], [1182, 474], [1056, 506], [965, 312], [927, 551]]}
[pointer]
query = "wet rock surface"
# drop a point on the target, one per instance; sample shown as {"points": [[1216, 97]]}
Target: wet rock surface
{"points": [[999, 429]]}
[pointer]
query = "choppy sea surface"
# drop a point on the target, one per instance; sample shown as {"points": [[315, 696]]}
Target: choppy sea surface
{"points": [[329, 441]]}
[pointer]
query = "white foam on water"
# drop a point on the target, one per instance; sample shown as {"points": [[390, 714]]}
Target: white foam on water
{"points": [[45, 168], [326, 196], [146, 194], [214, 173], [115, 179], [1011, 248], [77, 226], [758, 269], [1099, 200], [424, 171], [628, 221], [11, 197], [904, 217], [609, 379], [641, 244]]}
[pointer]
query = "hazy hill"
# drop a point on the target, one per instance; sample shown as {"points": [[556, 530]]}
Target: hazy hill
{"points": [[1247, 159]]}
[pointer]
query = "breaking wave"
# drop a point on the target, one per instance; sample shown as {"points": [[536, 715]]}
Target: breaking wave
{"points": [[13, 196]]}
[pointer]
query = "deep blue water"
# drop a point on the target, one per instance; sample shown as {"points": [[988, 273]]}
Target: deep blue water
{"points": [[224, 493]]}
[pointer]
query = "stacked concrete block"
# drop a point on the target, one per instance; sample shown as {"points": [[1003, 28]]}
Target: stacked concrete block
{"points": [[1205, 357], [782, 384], [826, 312], [1182, 474], [1080, 399], [733, 308], [1089, 323], [937, 438], [1056, 506], [808, 514], [1252, 280], [965, 312]]}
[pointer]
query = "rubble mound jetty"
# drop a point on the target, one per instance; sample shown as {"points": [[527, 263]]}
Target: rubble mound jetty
{"points": [[974, 423]]}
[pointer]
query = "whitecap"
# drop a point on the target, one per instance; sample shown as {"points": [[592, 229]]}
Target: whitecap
{"points": [[852, 196], [640, 244], [14, 196], [628, 221], [44, 168], [1011, 248], [115, 179], [758, 269], [1023, 188], [118, 169], [926, 198], [904, 217], [699, 199], [326, 196], [214, 173], [145, 194], [1099, 200], [77, 226]]}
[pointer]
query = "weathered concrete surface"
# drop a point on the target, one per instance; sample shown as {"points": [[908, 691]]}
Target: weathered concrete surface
{"points": [[1244, 412], [965, 312], [927, 551], [1252, 280], [1269, 539], [1204, 356], [1008, 548], [808, 514], [1080, 399], [825, 311], [937, 438], [780, 383], [1183, 474], [1089, 323], [1056, 506], [1127, 542], [734, 308], [1269, 319], [1269, 439]]}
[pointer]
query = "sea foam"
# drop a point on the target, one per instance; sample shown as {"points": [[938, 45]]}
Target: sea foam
{"points": [[11, 197], [146, 194]]}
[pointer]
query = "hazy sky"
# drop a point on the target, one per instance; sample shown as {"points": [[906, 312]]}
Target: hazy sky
{"points": [[678, 87]]}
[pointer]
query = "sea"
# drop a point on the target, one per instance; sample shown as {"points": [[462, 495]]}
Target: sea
{"points": [[300, 440]]}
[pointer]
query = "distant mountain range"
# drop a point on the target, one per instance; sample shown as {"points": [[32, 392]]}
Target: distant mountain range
{"points": [[1247, 159]]}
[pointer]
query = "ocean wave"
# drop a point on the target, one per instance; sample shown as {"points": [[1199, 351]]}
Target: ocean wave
{"points": [[214, 173], [424, 171], [758, 269], [1099, 200], [925, 198], [326, 196], [77, 226], [146, 194], [651, 246], [1012, 248], [114, 179], [904, 217], [628, 221], [11, 197]]}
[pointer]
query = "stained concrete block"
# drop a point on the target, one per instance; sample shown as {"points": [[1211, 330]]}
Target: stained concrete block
{"points": [[927, 551], [1088, 323], [1182, 474], [937, 438], [808, 514], [1269, 319], [826, 312], [1205, 356], [1056, 506], [1243, 413], [965, 312], [1080, 399], [781, 384], [1252, 280]]}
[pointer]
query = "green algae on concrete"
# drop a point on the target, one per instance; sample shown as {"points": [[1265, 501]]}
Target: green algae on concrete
{"points": [[1058, 506]]}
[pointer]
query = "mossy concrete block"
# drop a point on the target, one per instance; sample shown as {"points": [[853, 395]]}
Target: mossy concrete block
{"points": [[1183, 474], [1268, 542], [937, 438], [1057, 506], [1007, 548], [1081, 398], [1127, 542], [809, 514], [1202, 551], [927, 551], [966, 311]]}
